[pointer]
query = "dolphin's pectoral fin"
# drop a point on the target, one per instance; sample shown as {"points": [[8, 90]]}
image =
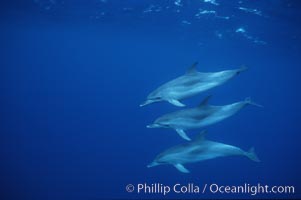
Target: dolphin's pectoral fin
{"points": [[183, 134], [181, 168], [176, 102]]}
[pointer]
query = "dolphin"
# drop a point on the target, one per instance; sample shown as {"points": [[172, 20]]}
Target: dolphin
{"points": [[198, 150], [200, 116], [190, 84]]}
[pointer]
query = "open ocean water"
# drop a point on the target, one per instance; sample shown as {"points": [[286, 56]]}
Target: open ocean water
{"points": [[73, 74]]}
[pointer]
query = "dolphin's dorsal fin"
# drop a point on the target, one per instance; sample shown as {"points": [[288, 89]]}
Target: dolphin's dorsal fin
{"points": [[181, 168], [192, 68], [201, 136], [205, 101]]}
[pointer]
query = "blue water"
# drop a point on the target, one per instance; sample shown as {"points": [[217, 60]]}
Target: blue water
{"points": [[73, 74]]}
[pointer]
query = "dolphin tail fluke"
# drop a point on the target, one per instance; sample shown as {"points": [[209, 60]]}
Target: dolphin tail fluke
{"points": [[181, 168], [252, 155], [242, 68], [183, 134], [250, 102]]}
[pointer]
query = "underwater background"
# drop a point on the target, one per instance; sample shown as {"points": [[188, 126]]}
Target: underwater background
{"points": [[73, 74]]}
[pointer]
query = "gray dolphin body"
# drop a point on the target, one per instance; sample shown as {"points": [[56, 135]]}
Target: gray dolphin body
{"points": [[198, 117], [198, 150], [190, 84]]}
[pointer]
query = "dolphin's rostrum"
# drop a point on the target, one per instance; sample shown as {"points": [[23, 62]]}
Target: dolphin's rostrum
{"points": [[200, 116], [198, 150], [190, 84]]}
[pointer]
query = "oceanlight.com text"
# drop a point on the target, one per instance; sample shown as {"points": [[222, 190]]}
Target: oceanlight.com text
{"points": [[250, 189]]}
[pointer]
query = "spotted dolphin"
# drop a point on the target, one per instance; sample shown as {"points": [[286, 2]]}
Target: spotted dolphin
{"points": [[190, 84], [198, 150], [200, 116]]}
